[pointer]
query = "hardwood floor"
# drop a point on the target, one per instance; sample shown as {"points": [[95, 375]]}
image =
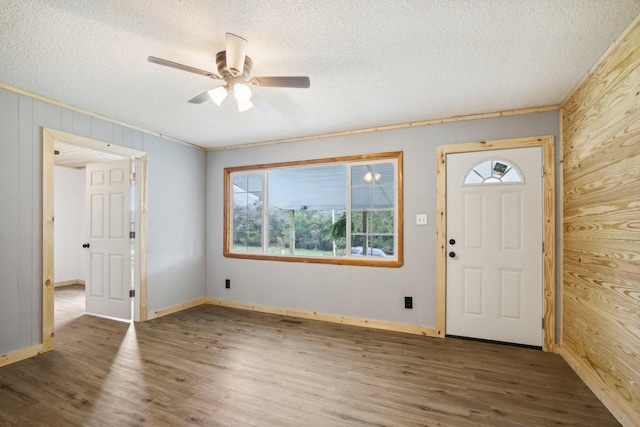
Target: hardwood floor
{"points": [[216, 366]]}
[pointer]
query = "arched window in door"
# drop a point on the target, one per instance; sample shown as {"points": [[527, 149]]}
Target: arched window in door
{"points": [[492, 172]]}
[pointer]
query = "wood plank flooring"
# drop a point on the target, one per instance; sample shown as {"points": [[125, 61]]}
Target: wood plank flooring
{"points": [[216, 366]]}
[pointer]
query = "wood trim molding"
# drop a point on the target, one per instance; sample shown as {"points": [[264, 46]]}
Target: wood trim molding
{"points": [[175, 308], [549, 282], [142, 241], [560, 222], [47, 240], [25, 353], [619, 408], [332, 318]]}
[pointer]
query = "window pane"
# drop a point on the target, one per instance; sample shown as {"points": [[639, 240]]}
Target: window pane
{"points": [[384, 243], [358, 221], [484, 169], [312, 237], [512, 175], [240, 183], [473, 177], [336, 232], [279, 231], [240, 202], [239, 240], [302, 207], [240, 222], [383, 197], [246, 242], [372, 186], [307, 214], [255, 218], [308, 187], [254, 182], [247, 212], [382, 222], [373, 209], [494, 172]]}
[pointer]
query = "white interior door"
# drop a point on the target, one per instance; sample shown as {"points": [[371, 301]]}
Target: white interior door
{"points": [[494, 245], [108, 206]]}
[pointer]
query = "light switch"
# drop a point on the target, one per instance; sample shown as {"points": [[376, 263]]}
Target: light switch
{"points": [[421, 219]]}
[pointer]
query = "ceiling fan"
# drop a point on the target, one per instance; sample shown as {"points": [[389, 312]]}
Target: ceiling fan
{"points": [[234, 68]]}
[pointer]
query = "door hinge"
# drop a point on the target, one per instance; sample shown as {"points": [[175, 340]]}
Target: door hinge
{"points": [[132, 234], [542, 323], [132, 293], [542, 247], [132, 177]]}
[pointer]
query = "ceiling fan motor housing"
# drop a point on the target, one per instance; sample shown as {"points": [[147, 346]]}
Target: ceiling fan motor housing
{"points": [[221, 61]]}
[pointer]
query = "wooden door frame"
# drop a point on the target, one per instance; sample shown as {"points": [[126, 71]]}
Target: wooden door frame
{"points": [[549, 224], [48, 137]]}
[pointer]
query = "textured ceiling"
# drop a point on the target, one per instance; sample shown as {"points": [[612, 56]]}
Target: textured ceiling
{"points": [[78, 156], [371, 62]]}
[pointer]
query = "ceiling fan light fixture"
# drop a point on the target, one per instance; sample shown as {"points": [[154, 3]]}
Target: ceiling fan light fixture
{"points": [[218, 94], [242, 92], [234, 70]]}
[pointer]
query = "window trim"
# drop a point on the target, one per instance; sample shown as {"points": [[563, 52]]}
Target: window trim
{"points": [[364, 261]]}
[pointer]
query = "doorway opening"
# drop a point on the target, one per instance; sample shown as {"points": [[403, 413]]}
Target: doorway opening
{"points": [[80, 152], [79, 212], [548, 228]]}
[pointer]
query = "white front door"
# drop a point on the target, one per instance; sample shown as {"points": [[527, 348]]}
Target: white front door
{"points": [[494, 245], [108, 206]]}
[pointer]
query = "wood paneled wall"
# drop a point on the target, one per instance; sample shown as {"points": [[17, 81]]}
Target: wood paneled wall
{"points": [[601, 229]]}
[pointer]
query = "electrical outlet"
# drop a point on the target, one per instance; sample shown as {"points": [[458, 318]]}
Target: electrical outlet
{"points": [[408, 302], [421, 219], [227, 283]]}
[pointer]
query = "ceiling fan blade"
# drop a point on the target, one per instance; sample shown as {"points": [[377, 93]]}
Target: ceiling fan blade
{"points": [[262, 104], [302, 82], [204, 96], [182, 67], [236, 51]]}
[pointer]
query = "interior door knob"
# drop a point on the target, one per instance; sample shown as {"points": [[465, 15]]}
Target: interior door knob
{"points": [[452, 254], [85, 245], [452, 241]]}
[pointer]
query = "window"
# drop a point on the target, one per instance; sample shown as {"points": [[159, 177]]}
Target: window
{"points": [[336, 211], [492, 172]]}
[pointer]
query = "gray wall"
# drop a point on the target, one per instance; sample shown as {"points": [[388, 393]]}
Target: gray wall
{"points": [[361, 292], [176, 212]]}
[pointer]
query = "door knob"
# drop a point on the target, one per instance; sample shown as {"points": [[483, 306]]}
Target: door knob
{"points": [[452, 254], [452, 241], [85, 245]]}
